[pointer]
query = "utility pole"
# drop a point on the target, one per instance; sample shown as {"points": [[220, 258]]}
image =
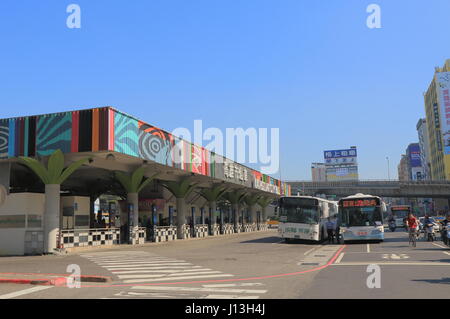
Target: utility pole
{"points": [[389, 170]]}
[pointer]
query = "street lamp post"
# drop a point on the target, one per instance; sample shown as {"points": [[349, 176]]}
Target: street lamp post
{"points": [[389, 171]]}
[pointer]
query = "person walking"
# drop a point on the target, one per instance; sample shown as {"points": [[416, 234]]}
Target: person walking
{"points": [[331, 226]]}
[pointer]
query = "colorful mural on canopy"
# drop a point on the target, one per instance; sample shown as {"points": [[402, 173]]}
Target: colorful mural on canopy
{"points": [[107, 129]]}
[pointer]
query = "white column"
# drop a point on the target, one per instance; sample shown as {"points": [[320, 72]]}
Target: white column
{"points": [[51, 217]]}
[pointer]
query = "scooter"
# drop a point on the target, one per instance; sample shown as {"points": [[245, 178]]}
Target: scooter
{"points": [[392, 226], [445, 234], [429, 232]]}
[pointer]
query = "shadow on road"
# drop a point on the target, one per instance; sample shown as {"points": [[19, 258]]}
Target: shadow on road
{"points": [[445, 281], [278, 240]]}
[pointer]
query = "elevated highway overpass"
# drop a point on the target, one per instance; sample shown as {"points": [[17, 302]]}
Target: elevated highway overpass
{"points": [[383, 188]]}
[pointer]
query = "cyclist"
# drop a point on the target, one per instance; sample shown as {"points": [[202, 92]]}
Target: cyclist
{"points": [[412, 223]]}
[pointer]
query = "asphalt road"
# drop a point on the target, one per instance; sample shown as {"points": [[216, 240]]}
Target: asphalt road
{"points": [[245, 266]]}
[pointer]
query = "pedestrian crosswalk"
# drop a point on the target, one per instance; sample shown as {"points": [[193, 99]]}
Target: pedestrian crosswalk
{"points": [[143, 269]]}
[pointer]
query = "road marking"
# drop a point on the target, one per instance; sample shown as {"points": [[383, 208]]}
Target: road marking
{"points": [[143, 265], [395, 256], [368, 248], [198, 268], [307, 252], [199, 289], [24, 292], [297, 273], [339, 258], [167, 275], [176, 278], [230, 297], [439, 245], [245, 284], [392, 263], [150, 268], [446, 252], [149, 263]]}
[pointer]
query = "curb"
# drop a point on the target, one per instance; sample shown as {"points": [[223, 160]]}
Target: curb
{"points": [[58, 282]]}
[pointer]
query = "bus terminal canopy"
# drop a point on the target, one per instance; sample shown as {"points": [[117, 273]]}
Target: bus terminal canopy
{"points": [[116, 141]]}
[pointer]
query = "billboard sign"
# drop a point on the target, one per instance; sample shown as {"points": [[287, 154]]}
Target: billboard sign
{"points": [[341, 157], [414, 155], [443, 80]]}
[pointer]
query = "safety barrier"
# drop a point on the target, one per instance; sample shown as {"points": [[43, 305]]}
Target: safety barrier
{"points": [[200, 230], [263, 227], [227, 229], [89, 237], [186, 232], [138, 237], [239, 228], [164, 233], [250, 227], [214, 230]]}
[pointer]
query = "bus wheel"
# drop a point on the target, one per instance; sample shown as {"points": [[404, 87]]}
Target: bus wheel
{"points": [[287, 240]]}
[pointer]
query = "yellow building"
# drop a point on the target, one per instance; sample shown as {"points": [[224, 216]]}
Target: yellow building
{"points": [[437, 108]]}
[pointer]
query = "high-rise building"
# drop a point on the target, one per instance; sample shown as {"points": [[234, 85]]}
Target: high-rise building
{"points": [[415, 170], [403, 171], [424, 144], [341, 165], [437, 108], [318, 172]]}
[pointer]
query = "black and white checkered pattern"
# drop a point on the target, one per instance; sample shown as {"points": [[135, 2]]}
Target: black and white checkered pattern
{"points": [[89, 237], [200, 231], [214, 230], [227, 229], [239, 228], [249, 227], [186, 232], [164, 233], [138, 237], [263, 226]]}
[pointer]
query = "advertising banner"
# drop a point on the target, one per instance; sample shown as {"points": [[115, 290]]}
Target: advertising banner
{"points": [[341, 157], [414, 155], [443, 80]]}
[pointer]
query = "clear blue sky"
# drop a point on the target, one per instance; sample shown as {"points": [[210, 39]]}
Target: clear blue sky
{"points": [[311, 68]]}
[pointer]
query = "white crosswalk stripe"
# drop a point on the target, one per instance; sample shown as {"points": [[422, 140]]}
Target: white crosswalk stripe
{"points": [[141, 268]]}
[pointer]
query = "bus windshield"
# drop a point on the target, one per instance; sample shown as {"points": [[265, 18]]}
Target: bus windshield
{"points": [[360, 216], [302, 211]]}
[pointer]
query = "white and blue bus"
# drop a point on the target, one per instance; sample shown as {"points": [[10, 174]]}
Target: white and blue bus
{"points": [[361, 218], [305, 217]]}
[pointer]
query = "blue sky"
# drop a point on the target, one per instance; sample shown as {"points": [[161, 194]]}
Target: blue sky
{"points": [[311, 68]]}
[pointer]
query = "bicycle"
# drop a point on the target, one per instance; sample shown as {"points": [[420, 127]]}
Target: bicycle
{"points": [[413, 237]]}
